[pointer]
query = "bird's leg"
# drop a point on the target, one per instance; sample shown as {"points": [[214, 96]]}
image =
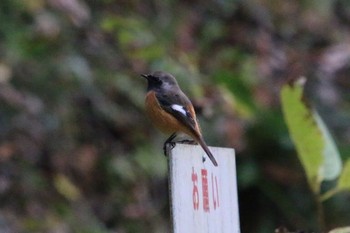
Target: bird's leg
{"points": [[169, 144]]}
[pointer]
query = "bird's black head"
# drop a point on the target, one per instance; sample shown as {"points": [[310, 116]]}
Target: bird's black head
{"points": [[160, 80]]}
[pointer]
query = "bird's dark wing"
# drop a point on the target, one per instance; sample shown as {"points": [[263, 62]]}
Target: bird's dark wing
{"points": [[178, 105]]}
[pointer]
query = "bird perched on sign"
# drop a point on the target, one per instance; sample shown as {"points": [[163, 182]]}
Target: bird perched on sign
{"points": [[171, 111]]}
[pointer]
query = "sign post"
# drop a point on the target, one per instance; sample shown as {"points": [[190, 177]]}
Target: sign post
{"points": [[203, 197]]}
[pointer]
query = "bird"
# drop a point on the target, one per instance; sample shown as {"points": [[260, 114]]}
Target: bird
{"points": [[171, 111]]}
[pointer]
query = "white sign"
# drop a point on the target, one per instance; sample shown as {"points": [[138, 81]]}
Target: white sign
{"points": [[204, 197]]}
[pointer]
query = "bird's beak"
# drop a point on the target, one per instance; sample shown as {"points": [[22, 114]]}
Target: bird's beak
{"points": [[145, 76]]}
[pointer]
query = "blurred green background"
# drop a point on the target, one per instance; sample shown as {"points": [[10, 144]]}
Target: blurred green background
{"points": [[76, 151]]}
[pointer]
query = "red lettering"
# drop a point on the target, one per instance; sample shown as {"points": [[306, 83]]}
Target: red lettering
{"points": [[212, 190], [215, 191], [195, 193], [205, 190]]}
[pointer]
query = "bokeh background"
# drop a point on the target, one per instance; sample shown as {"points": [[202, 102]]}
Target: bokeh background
{"points": [[76, 151]]}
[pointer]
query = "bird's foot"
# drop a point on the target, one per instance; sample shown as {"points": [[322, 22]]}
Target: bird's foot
{"points": [[188, 141], [168, 146]]}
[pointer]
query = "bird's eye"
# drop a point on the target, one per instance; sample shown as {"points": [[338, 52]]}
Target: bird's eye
{"points": [[158, 81]]}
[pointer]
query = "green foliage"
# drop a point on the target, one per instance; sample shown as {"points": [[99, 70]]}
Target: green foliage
{"points": [[332, 164], [304, 132], [65, 187], [239, 82], [344, 179], [77, 153], [316, 148], [341, 230], [134, 37], [343, 183]]}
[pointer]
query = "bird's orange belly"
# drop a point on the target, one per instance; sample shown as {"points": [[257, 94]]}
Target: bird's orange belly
{"points": [[162, 119]]}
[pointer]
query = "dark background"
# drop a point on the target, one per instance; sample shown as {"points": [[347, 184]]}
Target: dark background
{"points": [[76, 151]]}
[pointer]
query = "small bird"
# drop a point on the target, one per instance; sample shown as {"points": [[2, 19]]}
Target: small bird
{"points": [[171, 111]]}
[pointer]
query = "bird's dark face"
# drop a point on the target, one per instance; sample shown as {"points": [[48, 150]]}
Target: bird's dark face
{"points": [[160, 80]]}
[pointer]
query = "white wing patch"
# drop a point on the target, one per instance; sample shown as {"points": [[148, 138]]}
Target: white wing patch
{"points": [[179, 108]]}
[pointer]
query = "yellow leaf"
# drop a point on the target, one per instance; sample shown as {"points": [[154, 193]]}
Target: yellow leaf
{"points": [[65, 187]]}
